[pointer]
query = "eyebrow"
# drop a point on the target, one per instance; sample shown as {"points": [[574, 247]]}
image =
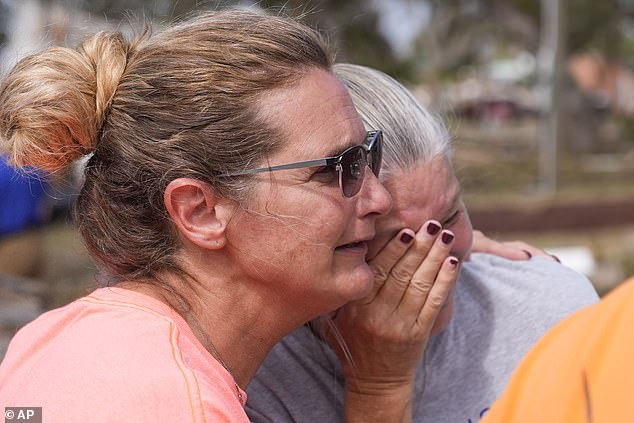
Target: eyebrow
{"points": [[336, 151], [332, 154]]}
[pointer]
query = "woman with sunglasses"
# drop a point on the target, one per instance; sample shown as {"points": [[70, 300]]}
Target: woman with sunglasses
{"points": [[417, 348], [217, 226]]}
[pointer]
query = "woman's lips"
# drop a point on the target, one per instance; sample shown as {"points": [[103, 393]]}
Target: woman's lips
{"points": [[358, 247]]}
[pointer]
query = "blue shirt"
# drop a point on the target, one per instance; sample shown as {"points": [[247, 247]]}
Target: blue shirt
{"points": [[22, 198]]}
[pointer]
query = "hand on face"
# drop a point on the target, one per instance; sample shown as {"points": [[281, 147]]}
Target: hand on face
{"points": [[386, 332], [512, 250]]}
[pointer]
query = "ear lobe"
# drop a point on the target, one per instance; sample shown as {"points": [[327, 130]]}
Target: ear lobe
{"points": [[198, 213]]}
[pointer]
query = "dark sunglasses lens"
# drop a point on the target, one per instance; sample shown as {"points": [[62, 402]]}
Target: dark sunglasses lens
{"points": [[352, 170], [376, 154]]}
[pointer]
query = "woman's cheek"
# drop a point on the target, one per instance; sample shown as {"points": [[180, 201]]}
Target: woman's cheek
{"points": [[464, 237]]}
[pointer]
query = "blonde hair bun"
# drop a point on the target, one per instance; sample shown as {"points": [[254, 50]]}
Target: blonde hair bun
{"points": [[53, 104]]}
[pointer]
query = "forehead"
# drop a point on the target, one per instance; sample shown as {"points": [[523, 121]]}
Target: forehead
{"points": [[315, 116], [422, 192]]}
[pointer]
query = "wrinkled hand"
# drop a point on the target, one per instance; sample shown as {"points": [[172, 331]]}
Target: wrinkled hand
{"points": [[512, 250], [386, 332]]}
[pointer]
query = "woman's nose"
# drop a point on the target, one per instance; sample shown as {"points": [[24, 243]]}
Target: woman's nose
{"points": [[375, 199]]}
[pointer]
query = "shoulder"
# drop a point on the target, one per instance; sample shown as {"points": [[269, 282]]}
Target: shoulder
{"points": [[91, 334], [539, 266], [522, 300], [539, 278], [103, 349]]}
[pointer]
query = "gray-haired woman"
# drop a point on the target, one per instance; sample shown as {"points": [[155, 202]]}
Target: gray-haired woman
{"points": [[417, 347], [227, 200]]}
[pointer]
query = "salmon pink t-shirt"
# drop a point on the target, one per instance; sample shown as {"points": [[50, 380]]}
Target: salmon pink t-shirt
{"points": [[116, 356]]}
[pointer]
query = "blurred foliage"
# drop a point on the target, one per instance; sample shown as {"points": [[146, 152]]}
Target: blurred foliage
{"points": [[595, 25], [460, 33], [352, 29], [591, 24], [464, 27], [625, 127]]}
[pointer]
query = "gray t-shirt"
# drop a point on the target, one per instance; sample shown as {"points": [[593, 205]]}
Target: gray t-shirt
{"points": [[502, 308]]}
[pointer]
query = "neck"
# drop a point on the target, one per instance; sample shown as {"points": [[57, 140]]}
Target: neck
{"points": [[233, 319]]}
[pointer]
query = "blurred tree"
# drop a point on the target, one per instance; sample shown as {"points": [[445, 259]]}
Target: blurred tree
{"points": [[458, 34], [120, 9], [352, 28], [464, 34], [461, 33], [461, 29], [595, 25]]}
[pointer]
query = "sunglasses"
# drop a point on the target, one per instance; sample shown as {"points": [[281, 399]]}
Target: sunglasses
{"points": [[350, 164]]}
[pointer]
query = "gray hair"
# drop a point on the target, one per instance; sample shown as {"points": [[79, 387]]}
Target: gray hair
{"points": [[411, 133]]}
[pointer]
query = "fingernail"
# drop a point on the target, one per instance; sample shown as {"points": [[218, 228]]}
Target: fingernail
{"points": [[447, 237], [406, 238], [432, 228], [453, 261], [528, 254]]}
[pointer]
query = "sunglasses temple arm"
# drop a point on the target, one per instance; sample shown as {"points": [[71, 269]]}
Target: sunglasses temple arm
{"points": [[298, 165]]}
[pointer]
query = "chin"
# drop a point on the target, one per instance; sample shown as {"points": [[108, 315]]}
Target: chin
{"points": [[358, 285]]}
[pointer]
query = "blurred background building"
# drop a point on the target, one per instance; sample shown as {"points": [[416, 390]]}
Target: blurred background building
{"points": [[539, 96]]}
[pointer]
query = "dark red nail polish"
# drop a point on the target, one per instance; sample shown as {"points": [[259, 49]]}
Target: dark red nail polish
{"points": [[453, 261], [406, 238], [432, 228], [447, 237], [528, 254]]}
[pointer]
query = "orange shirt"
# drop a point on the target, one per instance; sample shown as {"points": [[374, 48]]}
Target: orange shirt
{"points": [[580, 371], [116, 356]]}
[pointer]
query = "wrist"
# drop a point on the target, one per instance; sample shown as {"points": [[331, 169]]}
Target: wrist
{"points": [[379, 402]]}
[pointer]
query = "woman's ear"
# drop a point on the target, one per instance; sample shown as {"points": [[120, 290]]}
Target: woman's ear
{"points": [[198, 213]]}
